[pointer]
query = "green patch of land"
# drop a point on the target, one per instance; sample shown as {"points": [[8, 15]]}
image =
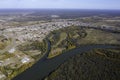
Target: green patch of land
{"points": [[13, 66], [74, 36], [98, 64], [4, 42]]}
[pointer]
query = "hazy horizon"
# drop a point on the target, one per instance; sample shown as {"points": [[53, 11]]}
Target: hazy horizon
{"points": [[60, 4], [54, 9]]}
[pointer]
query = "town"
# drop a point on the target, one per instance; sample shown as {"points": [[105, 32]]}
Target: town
{"points": [[11, 58]]}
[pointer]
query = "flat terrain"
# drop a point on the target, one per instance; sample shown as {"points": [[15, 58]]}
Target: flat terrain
{"points": [[23, 42]]}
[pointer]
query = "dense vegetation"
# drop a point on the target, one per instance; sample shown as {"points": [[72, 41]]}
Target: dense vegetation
{"points": [[98, 64], [94, 65], [74, 36]]}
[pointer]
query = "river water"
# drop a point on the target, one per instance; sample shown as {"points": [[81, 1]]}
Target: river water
{"points": [[44, 66]]}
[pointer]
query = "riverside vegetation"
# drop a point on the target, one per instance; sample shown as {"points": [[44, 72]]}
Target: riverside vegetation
{"points": [[98, 64]]}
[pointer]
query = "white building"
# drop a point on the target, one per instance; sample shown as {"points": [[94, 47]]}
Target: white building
{"points": [[12, 50], [25, 60]]}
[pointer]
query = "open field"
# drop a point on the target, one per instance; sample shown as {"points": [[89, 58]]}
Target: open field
{"points": [[75, 36]]}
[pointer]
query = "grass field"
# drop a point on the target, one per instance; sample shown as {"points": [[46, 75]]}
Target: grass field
{"points": [[71, 37]]}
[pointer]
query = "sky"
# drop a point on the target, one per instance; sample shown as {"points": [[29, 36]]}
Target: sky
{"points": [[63, 4]]}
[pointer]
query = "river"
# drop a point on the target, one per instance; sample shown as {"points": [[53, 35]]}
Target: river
{"points": [[44, 66]]}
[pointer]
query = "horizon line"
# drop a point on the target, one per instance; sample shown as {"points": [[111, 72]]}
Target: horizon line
{"points": [[56, 9]]}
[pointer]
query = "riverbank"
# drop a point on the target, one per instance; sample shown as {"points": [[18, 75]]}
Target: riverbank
{"points": [[97, 64], [46, 65], [43, 67]]}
